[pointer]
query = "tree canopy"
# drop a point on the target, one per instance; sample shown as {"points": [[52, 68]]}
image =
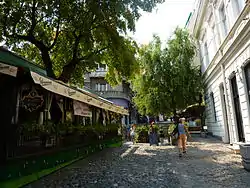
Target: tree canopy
{"points": [[68, 37], [168, 80]]}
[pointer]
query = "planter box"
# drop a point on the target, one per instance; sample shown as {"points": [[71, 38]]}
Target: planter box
{"points": [[245, 154], [246, 165]]}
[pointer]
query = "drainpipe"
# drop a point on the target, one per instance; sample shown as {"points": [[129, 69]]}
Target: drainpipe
{"points": [[227, 103]]}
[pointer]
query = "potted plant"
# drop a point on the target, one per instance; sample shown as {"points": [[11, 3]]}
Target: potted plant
{"points": [[245, 154]]}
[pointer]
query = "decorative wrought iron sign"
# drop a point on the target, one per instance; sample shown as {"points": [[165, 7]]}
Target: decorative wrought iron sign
{"points": [[32, 101]]}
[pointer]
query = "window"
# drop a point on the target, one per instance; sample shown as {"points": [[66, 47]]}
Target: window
{"points": [[212, 47], [236, 8], [96, 87], [206, 57], [101, 87], [102, 67], [216, 42], [213, 106], [223, 20]]}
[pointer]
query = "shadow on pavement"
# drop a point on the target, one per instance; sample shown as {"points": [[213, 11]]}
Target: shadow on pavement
{"points": [[208, 163]]}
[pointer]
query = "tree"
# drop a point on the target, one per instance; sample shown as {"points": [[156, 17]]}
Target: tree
{"points": [[147, 95], [170, 82], [68, 37]]}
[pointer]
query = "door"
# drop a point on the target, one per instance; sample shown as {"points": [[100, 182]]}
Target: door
{"points": [[237, 110], [247, 76], [224, 110]]}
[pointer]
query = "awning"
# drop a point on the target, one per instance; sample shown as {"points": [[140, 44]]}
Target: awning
{"points": [[65, 90], [8, 69], [10, 58]]}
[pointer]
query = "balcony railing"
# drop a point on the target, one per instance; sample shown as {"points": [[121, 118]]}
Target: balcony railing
{"points": [[114, 94]]}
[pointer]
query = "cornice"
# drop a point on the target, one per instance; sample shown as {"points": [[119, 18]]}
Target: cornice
{"points": [[200, 17], [239, 41]]}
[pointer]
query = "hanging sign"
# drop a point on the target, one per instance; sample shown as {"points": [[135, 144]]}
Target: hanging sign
{"points": [[8, 69], [81, 109], [32, 101]]}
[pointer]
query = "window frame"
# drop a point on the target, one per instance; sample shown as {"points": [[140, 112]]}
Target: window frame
{"points": [[213, 106], [224, 20]]}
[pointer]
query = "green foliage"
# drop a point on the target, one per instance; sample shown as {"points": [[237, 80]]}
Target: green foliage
{"points": [[32, 129], [171, 128], [167, 81], [68, 37], [198, 122], [142, 133]]}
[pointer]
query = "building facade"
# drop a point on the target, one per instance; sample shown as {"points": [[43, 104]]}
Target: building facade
{"points": [[222, 31], [120, 95]]}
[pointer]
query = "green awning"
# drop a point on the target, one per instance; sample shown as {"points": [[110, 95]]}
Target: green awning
{"points": [[13, 59]]}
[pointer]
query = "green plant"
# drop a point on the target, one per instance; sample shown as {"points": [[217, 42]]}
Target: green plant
{"points": [[171, 128], [198, 122], [141, 134], [156, 127]]}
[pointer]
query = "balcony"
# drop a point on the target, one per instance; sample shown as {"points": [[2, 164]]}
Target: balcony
{"points": [[98, 74], [114, 94]]}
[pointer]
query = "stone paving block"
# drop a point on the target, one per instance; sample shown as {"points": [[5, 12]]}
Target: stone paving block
{"points": [[208, 163]]}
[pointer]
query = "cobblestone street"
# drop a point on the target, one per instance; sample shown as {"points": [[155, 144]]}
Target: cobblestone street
{"points": [[208, 163]]}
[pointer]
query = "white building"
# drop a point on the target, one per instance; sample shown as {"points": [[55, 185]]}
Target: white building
{"points": [[222, 31]]}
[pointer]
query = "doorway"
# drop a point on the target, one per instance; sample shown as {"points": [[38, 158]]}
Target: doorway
{"points": [[224, 110], [237, 110]]}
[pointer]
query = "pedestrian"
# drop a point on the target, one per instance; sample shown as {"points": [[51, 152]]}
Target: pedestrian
{"points": [[128, 132], [161, 137], [182, 131], [132, 133], [153, 137]]}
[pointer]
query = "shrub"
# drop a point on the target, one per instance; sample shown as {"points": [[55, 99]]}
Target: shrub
{"points": [[171, 128], [198, 122], [141, 134]]}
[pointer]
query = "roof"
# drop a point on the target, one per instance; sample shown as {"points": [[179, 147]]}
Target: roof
{"points": [[11, 58], [187, 22]]}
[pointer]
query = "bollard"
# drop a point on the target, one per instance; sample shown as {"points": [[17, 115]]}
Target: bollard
{"points": [[245, 154]]}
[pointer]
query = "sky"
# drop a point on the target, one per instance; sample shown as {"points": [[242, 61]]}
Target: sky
{"points": [[163, 20]]}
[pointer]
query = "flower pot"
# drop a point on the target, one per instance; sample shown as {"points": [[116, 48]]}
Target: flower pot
{"points": [[245, 154]]}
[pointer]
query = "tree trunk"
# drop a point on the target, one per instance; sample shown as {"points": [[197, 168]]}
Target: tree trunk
{"points": [[175, 116], [48, 63], [67, 71], [174, 110]]}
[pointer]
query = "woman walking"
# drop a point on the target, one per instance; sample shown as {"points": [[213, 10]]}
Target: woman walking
{"points": [[182, 136]]}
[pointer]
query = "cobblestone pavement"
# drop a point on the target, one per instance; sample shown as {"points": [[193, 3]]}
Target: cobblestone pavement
{"points": [[208, 163]]}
